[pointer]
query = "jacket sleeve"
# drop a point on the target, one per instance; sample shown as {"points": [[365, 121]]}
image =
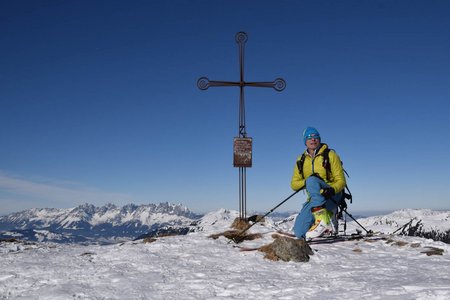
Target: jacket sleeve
{"points": [[297, 181], [338, 181]]}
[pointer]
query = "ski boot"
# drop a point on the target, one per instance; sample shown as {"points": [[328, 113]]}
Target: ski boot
{"points": [[322, 226]]}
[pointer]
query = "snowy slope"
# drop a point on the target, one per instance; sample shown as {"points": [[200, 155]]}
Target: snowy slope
{"points": [[195, 266], [413, 222]]}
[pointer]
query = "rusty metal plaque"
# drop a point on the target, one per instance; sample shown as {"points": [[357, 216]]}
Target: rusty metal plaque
{"points": [[242, 152]]}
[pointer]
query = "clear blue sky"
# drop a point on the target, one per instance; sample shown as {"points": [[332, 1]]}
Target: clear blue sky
{"points": [[99, 101]]}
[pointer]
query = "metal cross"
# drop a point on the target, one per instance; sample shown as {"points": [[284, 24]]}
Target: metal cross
{"points": [[278, 84]]}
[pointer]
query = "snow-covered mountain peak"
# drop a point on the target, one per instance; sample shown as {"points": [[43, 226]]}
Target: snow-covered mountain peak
{"points": [[419, 213], [217, 220], [430, 220]]}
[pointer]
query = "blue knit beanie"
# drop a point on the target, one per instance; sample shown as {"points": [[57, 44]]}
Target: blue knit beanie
{"points": [[308, 131]]}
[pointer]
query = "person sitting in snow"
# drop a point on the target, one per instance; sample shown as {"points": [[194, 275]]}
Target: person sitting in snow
{"points": [[324, 182]]}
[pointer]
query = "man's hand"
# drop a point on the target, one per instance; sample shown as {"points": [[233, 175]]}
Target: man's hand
{"points": [[328, 192]]}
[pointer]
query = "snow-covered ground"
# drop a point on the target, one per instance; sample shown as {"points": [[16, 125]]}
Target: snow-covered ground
{"points": [[198, 267]]}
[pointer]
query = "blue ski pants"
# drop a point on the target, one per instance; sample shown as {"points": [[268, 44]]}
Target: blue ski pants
{"points": [[305, 218]]}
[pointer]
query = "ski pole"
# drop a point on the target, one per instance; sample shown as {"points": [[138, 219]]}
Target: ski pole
{"points": [[368, 232], [404, 226], [262, 217]]}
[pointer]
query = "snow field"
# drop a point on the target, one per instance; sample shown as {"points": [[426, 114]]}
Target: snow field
{"points": [[197, 267]]}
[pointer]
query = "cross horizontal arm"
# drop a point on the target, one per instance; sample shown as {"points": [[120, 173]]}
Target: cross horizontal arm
{"points": [[278, 84]]}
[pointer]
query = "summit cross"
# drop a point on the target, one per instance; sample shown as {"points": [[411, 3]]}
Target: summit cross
{"points": [[278, 84]]}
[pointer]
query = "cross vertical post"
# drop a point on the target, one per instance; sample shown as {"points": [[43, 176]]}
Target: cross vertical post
{"points": [[242, 142]]}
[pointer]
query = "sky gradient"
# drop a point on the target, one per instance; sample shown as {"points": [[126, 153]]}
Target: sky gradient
{"points": [[99, 101]]}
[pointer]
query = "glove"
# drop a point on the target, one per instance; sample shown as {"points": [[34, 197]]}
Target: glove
{"points": [[328, 192]]}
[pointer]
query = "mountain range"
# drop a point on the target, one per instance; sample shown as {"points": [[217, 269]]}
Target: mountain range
{"points": [[110, 223], [88, 223]]}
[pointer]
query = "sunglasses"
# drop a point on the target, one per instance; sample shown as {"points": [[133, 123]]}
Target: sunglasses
{"points": [[312, 136]]}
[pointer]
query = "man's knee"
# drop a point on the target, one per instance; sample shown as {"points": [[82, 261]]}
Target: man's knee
{"points": [[313, 180]]}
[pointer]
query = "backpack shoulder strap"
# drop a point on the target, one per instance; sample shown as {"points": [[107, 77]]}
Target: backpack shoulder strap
{"points": [[300, 163], [326, 162]]}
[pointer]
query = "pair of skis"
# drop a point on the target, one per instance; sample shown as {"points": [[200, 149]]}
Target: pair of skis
{"points": [[328, 239], [320, 240]]}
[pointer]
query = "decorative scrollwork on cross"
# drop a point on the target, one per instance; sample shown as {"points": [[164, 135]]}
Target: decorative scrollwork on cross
{"points": [[279, 84], [241, 37], [203, 83]]}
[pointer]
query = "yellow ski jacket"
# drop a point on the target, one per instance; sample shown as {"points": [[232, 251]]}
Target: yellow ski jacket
{"points": [[315, 165]]}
